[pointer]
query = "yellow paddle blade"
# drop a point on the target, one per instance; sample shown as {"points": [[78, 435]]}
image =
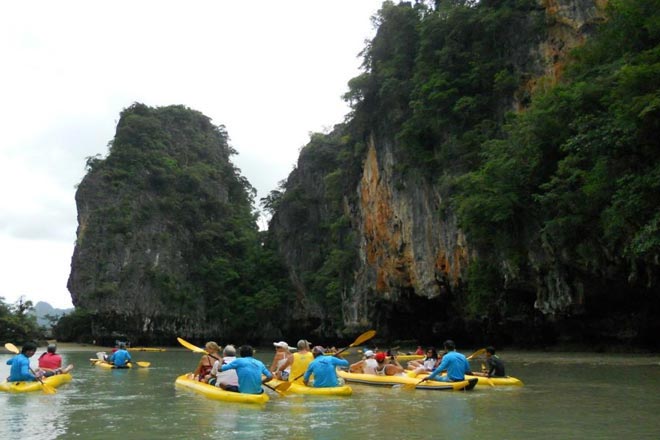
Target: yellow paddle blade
{"points": [[47, 389], [281, 393], [190, 346], [364, 337], [11, 347], [281, 388], [143, 364], [477, 353], [411, 386]]}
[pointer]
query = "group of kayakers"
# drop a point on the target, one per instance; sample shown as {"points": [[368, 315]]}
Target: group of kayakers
{"points": [[246, 374], [433, 364], [50, 364]]}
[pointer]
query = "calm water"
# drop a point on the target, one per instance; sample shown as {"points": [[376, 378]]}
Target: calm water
{"points": [[566, 396]]}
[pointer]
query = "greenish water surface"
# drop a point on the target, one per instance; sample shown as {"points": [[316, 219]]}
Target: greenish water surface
{"points": [[566, 396]]}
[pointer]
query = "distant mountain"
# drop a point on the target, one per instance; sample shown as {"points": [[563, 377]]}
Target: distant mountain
{"points": [[42, 309]]}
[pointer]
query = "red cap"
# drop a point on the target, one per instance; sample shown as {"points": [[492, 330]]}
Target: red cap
{"points": [[380, 356]]}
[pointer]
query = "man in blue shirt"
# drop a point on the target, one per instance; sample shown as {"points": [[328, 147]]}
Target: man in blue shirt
{"points": [[249, 371], [456, 364], [20, 364], [121, 357], [324, 369]]}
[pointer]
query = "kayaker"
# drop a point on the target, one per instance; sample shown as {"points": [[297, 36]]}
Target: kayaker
{"points": [[227, 380], [249, 371], [121, 357], [51, 363], [281, 365], [20, 365], [456, 365], [385, 368], [419, 351], [426, 365], [494, 365], [301, 360], [205, 365], [367, 365], [324, 369]]}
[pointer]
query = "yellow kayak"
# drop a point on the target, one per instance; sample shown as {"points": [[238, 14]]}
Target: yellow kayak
{"points": [[372, 379], [295, 388], [409, 357], [507, 381], [216, 393], [145, 349], [107, 365], [26, 387], [482, 381]]}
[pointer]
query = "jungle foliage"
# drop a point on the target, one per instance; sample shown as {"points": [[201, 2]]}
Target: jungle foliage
{"points": [[17, 324]]}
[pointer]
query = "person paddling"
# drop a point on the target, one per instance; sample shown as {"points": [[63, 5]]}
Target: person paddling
{"points": [[121, 357], [20, 365], [455, 363], [494, 365], [249, 371], [324, 369]]}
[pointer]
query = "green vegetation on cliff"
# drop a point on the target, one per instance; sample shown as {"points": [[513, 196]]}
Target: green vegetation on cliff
{"points": [[559, 202], [167, 241]]}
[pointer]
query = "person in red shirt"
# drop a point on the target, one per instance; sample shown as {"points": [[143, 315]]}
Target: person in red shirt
{"points": [[51, 363]]}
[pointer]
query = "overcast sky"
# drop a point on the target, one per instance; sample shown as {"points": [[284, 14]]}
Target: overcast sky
{"points": [[271, 72]]}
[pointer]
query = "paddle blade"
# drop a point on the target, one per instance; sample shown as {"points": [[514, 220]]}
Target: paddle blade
{"points": [[281, 388], [190, 346], [11, 347], [143, 364], [410, 386], [364, 337], [477, 353], [47, 389]]}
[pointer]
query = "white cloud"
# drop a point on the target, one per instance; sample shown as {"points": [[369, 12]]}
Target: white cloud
{"points": [[271, 72]]}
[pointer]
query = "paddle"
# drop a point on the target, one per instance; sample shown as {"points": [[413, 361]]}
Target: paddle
{"points": [[142, 364], [364, 337], [197, 349], [45, 388], [477, 353]]}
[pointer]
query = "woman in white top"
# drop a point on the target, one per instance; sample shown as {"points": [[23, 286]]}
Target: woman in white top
{"points": [[367, 365], [281, 365]]}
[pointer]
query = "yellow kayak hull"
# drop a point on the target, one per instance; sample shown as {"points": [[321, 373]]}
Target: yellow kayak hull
{"points": [[146, 349], [107, 365], [216, 393], [295, 388], [508, 381], [372, 379], [409, 357], [27, 387]]}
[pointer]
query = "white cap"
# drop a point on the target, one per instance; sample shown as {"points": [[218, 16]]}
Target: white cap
{"points": [[368, 353], [281, 344]]}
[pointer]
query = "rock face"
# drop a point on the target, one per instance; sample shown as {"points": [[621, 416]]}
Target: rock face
{"points": [[411, 253], [147, 216]]}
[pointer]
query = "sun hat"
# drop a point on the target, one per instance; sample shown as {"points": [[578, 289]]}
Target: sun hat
{"points": [[380, 356], [368, 353], [318, 350], [281, 344]]}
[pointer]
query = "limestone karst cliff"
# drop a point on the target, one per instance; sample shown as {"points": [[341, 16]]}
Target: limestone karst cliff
{"points": [[167, 239], [427, 252]]}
